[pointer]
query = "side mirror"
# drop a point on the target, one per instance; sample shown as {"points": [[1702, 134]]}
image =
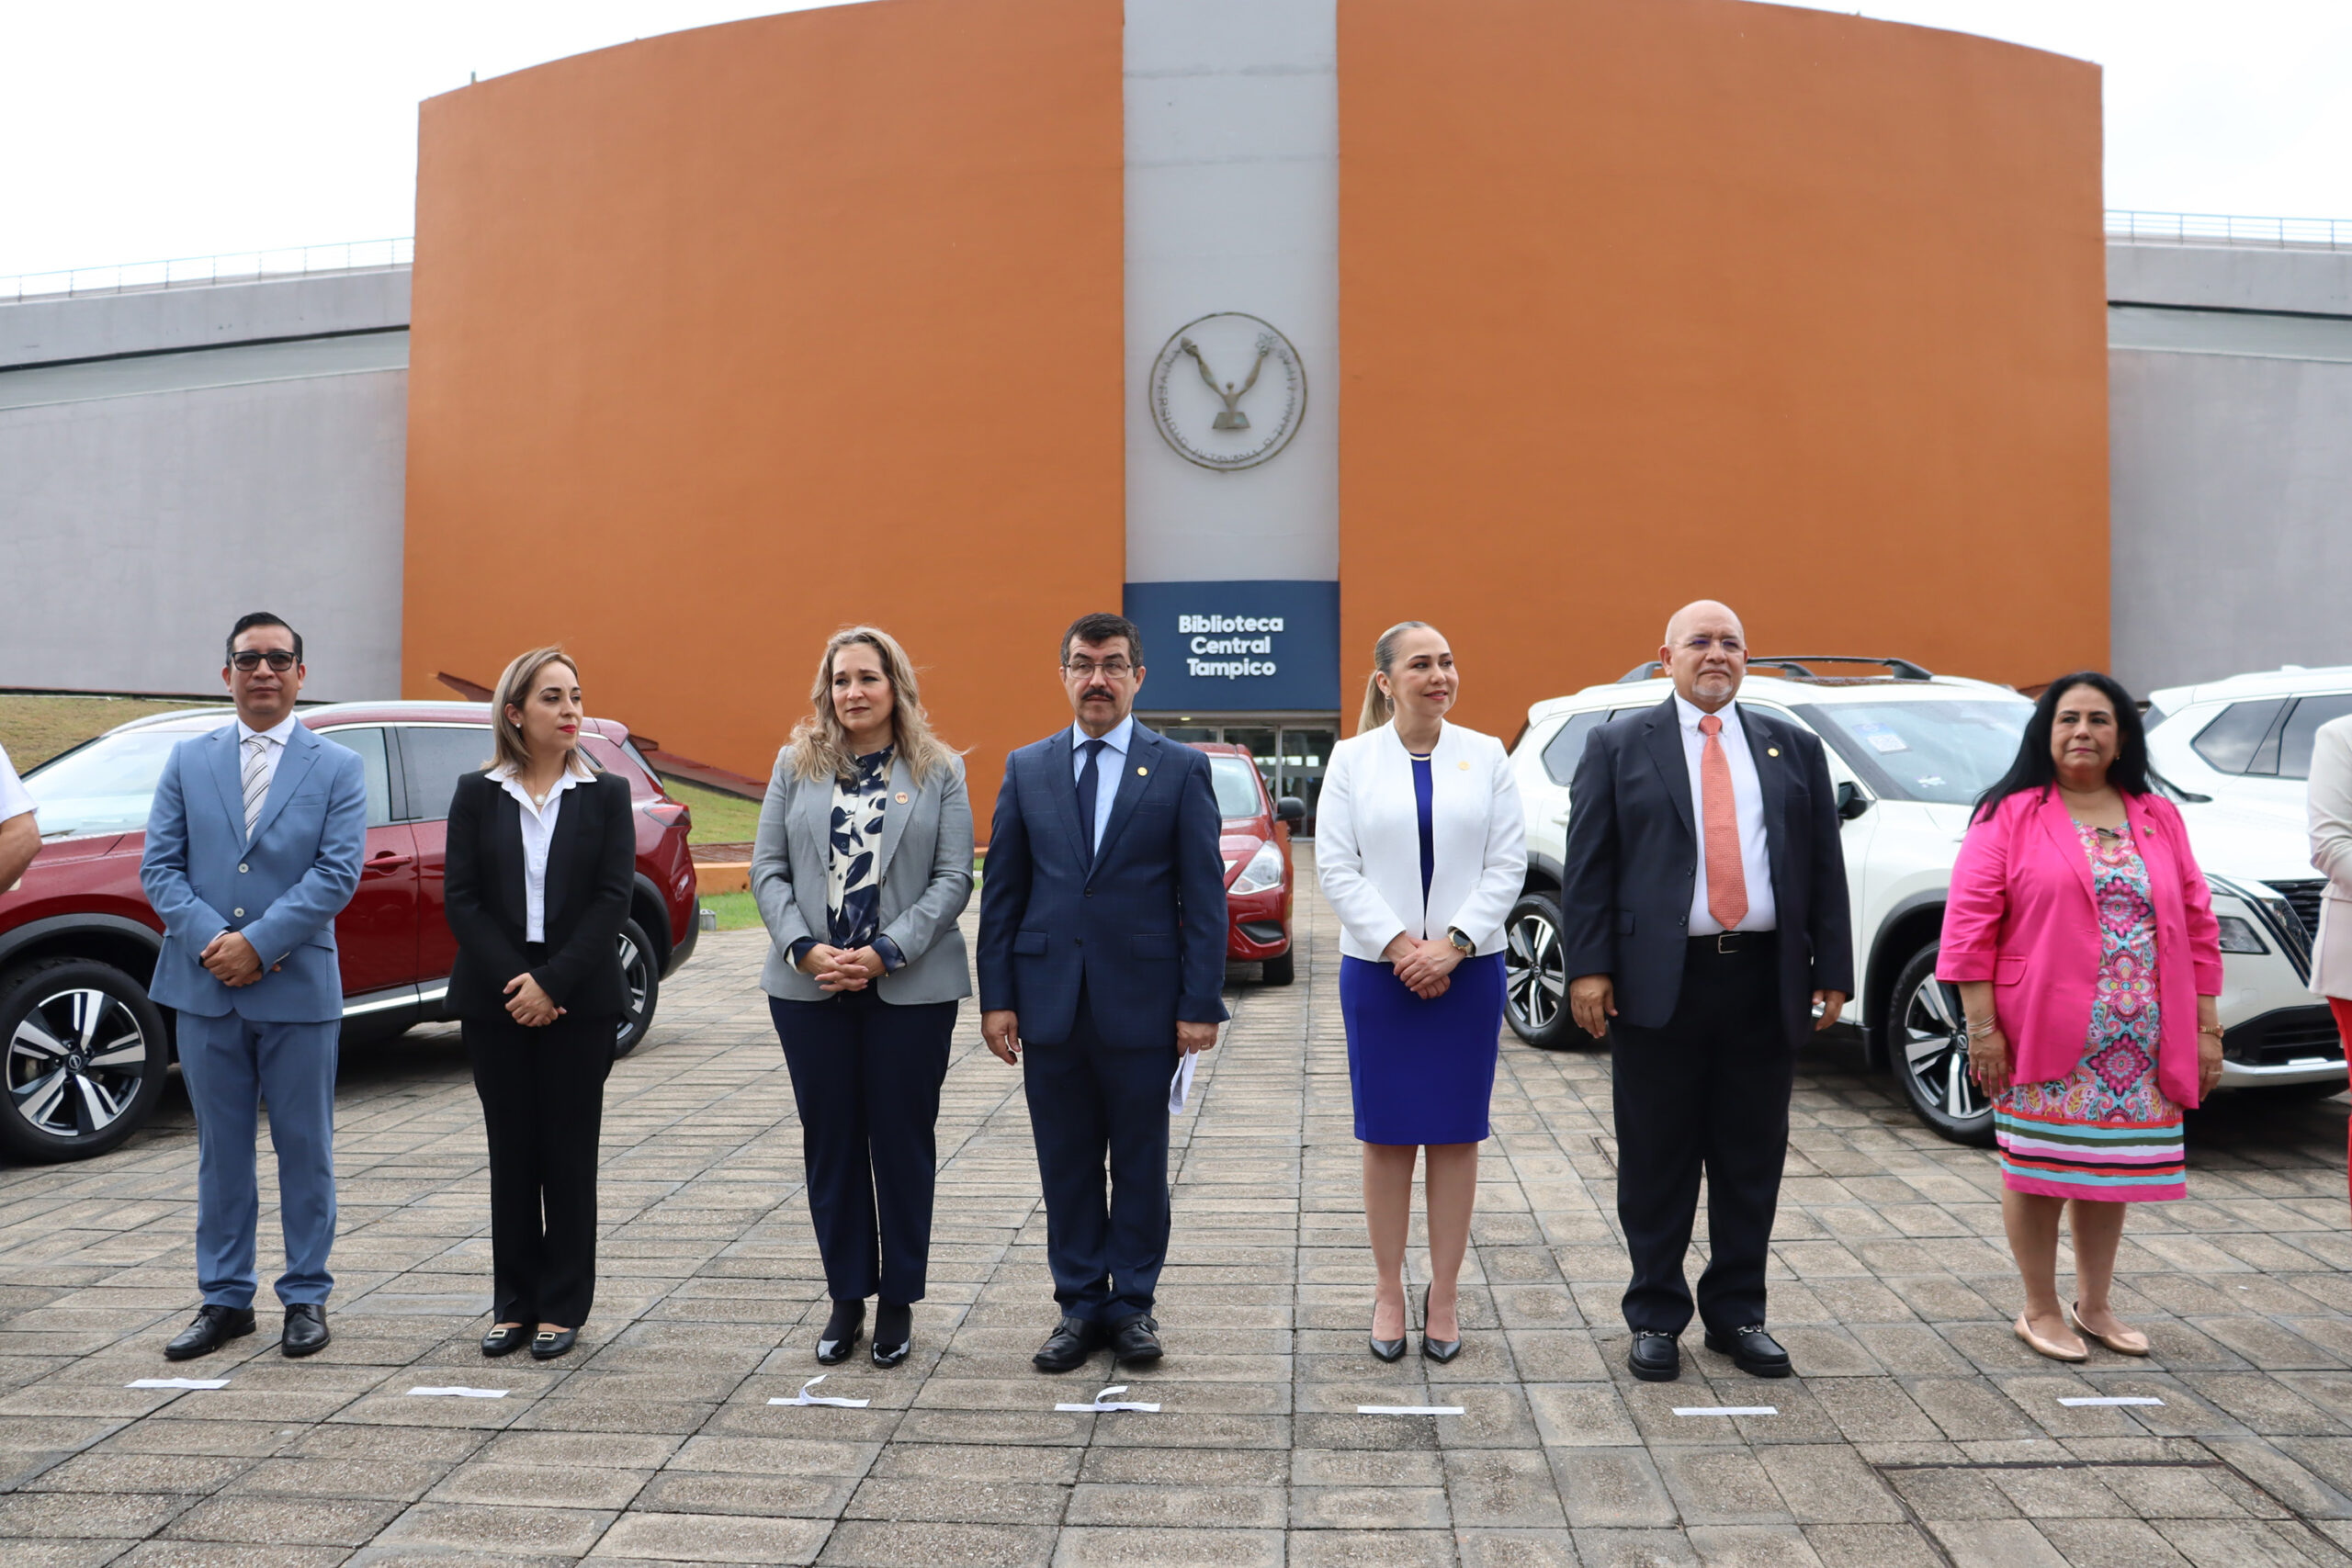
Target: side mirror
{"points": [[1290, 809], [1851, 802]]}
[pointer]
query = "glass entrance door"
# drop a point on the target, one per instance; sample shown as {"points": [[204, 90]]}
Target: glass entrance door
{"points": [[1291, 754]]}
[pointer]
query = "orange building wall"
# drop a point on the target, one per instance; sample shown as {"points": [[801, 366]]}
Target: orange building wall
{"points": [[725, 339], [1647, 300]]}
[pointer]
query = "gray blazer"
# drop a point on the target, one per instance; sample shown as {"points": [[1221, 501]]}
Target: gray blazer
{"points": [[925, 871]]}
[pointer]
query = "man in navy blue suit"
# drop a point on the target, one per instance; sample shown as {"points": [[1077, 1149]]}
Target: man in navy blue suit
{"points": [[1103, 931]]}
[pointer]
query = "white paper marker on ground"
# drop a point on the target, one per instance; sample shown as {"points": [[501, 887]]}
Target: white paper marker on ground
{"points": [[805, 1397], [2115, 1399], [1727, 1410], [179, 1383], [456, 1391], [1408, 1410], [1101, 1399]]}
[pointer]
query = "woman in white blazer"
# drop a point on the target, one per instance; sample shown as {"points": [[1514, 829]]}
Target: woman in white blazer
{"points": [[1421, 848], [2331, 821]]}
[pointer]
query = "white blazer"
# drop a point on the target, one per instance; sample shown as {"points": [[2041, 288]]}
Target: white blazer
{"points": [[1368, 840], [2330, 822]]}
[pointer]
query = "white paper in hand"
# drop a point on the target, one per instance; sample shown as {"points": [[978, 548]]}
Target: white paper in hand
{"points": [[1180, 1087], [805, 1397]]}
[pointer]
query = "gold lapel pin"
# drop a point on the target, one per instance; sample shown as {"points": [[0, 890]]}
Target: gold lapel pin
{"points": [[1464, 765], [902, 798], [1141, 772], [1768, 751]]}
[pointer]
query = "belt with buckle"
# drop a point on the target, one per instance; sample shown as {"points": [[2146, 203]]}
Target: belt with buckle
{"points": [[1728, 942]]}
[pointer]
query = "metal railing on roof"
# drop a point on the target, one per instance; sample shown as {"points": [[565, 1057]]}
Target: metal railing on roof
{"points": [[194, 272], [2218, 228]]}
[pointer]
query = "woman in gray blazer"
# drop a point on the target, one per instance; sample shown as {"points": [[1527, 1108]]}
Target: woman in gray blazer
{"points": [[863, 862]]}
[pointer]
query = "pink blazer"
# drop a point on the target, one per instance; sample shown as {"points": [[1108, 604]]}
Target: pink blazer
{"points": [[2021, 915]]}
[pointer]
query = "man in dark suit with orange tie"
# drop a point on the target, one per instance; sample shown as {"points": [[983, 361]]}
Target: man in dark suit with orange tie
{"points": [[1705, 911], [1102, 961]]}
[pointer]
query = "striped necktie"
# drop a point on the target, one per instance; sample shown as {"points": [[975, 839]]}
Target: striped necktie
{"points": [[256, 779]]}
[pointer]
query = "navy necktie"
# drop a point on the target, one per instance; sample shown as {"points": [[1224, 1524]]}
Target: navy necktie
{"points": [[1090, 781]]}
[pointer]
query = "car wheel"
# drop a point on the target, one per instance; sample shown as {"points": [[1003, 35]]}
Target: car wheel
{"points": [[1926, 1039], [640, 987], [1281, 970], [86, 1057], [1535, 979]]}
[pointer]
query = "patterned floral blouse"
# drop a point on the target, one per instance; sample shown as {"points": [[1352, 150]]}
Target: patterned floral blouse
{"points": [[853, 848]]}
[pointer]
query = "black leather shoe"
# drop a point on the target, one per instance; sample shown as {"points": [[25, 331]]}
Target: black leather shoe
{"points": [[214, 1327], [844, 1329], [1134, 1341], [1753, 1351], [1656, 1357], [1437, 1350], [505, 1339], [306, 1329], [550, 1343], [1072, 1340], [893, 1334]]}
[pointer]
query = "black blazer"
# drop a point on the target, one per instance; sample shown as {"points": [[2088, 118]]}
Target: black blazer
{"points": [[1632, 862], [592, 866]]}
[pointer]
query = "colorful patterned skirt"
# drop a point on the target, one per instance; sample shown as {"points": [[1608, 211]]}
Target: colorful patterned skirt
{"points": [[2107, 1137]]}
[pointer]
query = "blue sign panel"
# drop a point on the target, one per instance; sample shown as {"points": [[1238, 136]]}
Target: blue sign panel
{"points": [[1238, 646]]}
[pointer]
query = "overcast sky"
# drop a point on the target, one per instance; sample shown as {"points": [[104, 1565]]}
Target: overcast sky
{"points": [[141, 130]]}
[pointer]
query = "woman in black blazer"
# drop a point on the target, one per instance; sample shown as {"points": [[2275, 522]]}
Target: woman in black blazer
{"points": [[542, 851]]}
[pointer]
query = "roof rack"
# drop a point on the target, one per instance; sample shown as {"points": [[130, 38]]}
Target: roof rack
{"points": [[1798, 667]]}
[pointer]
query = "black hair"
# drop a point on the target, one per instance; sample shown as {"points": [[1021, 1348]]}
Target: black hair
{"points": [[1102, 626], [260, 618], [2035, 768]]}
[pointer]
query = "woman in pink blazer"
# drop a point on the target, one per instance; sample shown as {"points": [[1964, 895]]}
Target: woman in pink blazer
{"points": [[2082, 940]]}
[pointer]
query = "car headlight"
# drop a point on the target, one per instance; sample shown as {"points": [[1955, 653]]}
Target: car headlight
{"points": [[1263, 871], [2238, 935]]}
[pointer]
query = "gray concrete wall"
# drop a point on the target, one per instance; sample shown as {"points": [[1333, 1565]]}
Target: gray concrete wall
{"points": [[36, 331], [2230, 450]]}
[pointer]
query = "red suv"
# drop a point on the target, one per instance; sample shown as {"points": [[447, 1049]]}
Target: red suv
{"points": [[1256, 842], [78, 942]]}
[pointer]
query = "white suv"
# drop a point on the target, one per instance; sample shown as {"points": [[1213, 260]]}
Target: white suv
{"points": [[1908, 752], [2247, 740]]}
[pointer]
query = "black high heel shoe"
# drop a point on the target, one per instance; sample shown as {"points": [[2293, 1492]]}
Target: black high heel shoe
{"points": [[1388, 1349], [843, 1331], [893, 1334], [1437, 1350]]}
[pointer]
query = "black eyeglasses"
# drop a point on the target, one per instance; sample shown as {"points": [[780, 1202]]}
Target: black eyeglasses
{"points": [[250, 660]]}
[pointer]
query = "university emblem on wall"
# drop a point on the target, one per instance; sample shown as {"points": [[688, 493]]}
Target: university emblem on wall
{"points": [[1227, 391]]}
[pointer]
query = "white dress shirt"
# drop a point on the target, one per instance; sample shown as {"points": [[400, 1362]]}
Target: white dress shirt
{"points": [[275, 735], [1747, 805], [1108, 768], [538, 832]]}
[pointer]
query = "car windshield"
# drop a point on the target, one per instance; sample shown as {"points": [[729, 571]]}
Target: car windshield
{"points": [[1945, 752], [1235, 781], [104, 787]]}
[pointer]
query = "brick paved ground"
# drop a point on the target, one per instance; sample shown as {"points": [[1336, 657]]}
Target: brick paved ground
{"points": [[1920, 1434]]}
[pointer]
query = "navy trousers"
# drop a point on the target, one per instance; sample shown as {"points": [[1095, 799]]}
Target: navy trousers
{"points": [[865, 1074], [1709, 1092], [230, 1066], [1092, 1105]]}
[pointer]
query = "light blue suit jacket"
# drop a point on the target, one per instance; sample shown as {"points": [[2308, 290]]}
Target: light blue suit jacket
{"points": [[282, 889]]}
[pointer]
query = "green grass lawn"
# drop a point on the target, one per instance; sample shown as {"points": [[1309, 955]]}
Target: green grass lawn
{"points": [[735, 910], [35, 729], [717, 818]]}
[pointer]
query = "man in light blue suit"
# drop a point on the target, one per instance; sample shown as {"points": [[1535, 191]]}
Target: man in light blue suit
{"points": [[253, 849]]}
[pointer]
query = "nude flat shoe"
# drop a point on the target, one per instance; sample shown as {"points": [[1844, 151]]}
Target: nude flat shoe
{"points": [[2044, 1347], [2130, 1342]]}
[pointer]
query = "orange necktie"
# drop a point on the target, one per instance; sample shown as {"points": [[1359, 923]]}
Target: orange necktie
{"points": [[1726, 879]]}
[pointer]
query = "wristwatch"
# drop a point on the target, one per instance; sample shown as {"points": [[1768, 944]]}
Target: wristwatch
{"points": [[1462, 943]]}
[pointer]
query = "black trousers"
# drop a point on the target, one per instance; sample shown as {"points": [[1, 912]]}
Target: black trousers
{"points": [[1709, 1091], [865, 1074], [543, 1105], [1092, 1104]]}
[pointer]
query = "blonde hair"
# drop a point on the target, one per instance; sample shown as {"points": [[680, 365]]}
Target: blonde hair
{"points": [[819, 746], [508, 749], [1377, 709]]}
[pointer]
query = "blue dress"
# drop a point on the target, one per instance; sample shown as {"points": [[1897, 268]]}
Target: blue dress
{"points": [[1422, 1072]]}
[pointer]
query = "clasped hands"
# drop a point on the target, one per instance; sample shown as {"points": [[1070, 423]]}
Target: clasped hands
{"points": [[232, 961], [1426, 967], [528, 1005], [841, 968]]}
